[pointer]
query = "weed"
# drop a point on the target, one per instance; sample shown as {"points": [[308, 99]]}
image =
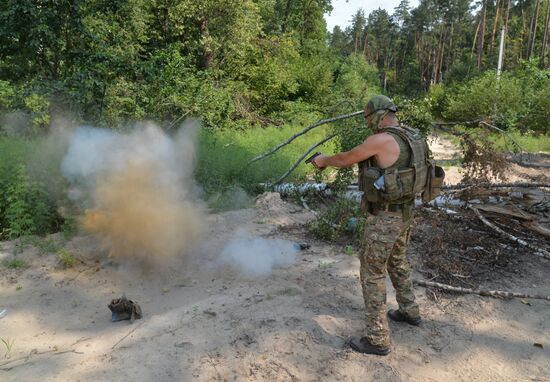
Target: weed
{"points": [[18, 287], [195, 309], [223, 157], [325, 264], [66, 260], [342, 219], [348, 250], [14, 263], [69, 228], [8, 344], [43, 245]]}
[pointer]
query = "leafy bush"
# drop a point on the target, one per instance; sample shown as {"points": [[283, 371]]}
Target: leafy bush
{"points": [[520, 100], [342, 220], [7, 94], [25, 205]]}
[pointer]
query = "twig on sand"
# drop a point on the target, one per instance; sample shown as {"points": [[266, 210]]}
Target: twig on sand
{"points": [[126, 335], [302, 132], [537, 251], [480, 292], [28, 358]]}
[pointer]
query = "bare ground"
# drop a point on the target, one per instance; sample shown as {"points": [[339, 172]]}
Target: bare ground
{"points": [[204, 322]]}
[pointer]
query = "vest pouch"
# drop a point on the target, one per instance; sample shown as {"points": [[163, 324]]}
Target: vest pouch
{"points": [[436, 176], [370, 193], [393, 189]]}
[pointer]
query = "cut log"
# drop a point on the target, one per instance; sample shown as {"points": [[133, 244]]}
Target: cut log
{"points": [[509, 210]]}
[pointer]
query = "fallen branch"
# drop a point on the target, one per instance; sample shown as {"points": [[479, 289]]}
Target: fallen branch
{"points": [[538, 251], [480, 292], [440, 124], [483, 123], [495, 185], [283, 177], [316, 124]]}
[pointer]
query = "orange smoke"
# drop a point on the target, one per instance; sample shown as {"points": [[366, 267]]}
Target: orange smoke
{"points": [[138, 215]]}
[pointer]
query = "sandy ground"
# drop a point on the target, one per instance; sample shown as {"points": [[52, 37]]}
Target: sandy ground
{"points": [[204, 322]]}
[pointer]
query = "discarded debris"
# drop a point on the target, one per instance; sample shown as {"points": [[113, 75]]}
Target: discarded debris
{"points": [[537, 251], [124, 309]]}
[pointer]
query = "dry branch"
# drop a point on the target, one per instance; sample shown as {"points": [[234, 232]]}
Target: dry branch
{"points": [[538, 251], [316, 124], [283, 177], [483, 123], [480, 292], [496, 185]]}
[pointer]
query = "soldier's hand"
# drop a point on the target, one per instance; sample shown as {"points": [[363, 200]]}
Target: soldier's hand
{"points": [[319, 162]]}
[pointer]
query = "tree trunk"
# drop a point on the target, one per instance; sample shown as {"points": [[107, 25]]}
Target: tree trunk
{"points": [[207, 51], [533, 30], [482, 37], [545, 35], [495, 22]]}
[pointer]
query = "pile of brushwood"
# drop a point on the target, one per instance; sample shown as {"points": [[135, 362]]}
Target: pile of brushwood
{"points": [[493, 232]]}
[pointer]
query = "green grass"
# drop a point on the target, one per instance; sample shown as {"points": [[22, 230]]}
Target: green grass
{"points": [[223, 157], [66, 259], [529, 143], [504, 142], [14, 263]]}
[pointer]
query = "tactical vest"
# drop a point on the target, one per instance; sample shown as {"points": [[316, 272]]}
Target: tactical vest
{"points": [[406, 178]]}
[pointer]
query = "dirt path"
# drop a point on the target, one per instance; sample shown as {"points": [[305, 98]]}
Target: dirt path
{"points": [[206, 323]]}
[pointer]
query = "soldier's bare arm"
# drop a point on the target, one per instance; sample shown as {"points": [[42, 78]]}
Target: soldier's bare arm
{"points": [[382, 145]]}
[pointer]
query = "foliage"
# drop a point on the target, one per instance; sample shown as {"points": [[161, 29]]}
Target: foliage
{"points": [[223, 157], [415, 113], [26, 208], [481, 162], [481, 98], [14, 263], [529, 143], [66, 259], [341, 221]]}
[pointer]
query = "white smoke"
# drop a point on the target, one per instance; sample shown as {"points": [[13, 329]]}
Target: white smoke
{"points": [[256, 256], [138, 187]]}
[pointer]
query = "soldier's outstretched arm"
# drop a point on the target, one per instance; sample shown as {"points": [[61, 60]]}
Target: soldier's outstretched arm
{"points": [[370, 147]]}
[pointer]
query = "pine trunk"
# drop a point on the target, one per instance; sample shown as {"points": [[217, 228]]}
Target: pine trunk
{"points": [[482, 37], [545, 35], [495, 22]]}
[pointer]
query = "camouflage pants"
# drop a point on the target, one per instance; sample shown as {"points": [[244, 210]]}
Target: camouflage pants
{"points": [[387, 235]]}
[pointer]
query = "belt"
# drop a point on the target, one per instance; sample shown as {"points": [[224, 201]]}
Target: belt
{"points": [[404, 208]]}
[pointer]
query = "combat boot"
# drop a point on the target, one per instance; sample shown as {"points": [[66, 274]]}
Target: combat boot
{"points": [[396, 315], [362, 345]]}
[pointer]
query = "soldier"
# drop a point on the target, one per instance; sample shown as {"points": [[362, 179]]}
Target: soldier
{"points": [[392, 170]]}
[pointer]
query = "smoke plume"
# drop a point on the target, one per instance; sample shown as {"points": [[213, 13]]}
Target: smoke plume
{"points": [[256, 256], [136, 188]]}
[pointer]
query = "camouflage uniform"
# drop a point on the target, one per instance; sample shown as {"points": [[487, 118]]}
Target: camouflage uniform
{"points": [[387, 235]]}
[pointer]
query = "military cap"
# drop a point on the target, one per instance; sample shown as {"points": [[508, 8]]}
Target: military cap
{"points": [[380, 102]]}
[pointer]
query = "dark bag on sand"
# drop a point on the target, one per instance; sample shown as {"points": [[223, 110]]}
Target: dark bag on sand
{"points": [[124, 309]]}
